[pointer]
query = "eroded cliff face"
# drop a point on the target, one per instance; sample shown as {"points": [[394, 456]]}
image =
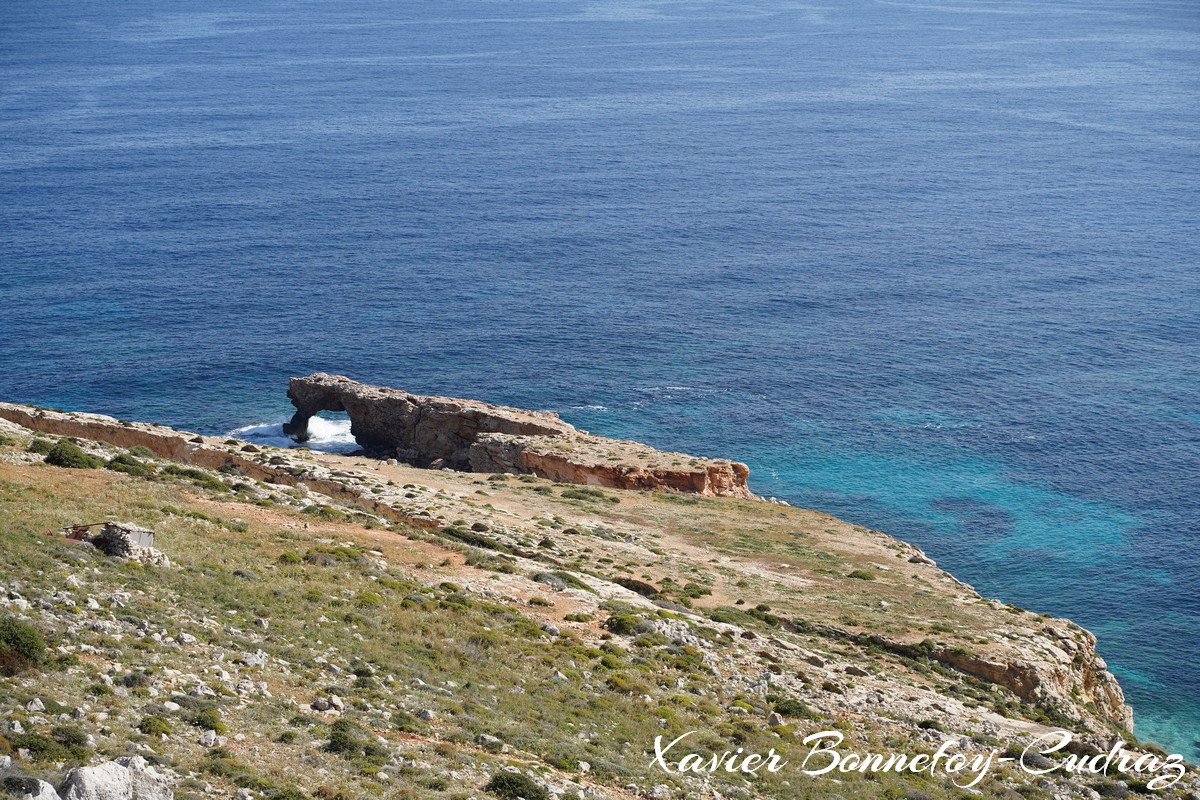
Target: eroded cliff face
{"points": [[596, 461], [430, 431], [1057, 669]]}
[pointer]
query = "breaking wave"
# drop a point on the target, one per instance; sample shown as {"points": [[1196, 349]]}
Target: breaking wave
{"points": [[326, 435]]}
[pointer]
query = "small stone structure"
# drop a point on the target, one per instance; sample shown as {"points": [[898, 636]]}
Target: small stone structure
{"points": [[126, 540]]}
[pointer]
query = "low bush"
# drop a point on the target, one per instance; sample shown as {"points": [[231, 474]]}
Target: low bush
{"points": [[791, 707], [636, 586], [208, 718], [19, 786], [290, 793], [471, 538], [22, 646], [198, 477], [514, 785], [623, 624], [348, 740], [154, 726], [589, 494], [67, 454], [126, 463], [65, 743]]}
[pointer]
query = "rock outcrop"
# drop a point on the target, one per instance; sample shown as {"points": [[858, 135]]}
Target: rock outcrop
{"points": [[420, 430], [470, 435], [1057, 670], [596, 461], [123, 779]]}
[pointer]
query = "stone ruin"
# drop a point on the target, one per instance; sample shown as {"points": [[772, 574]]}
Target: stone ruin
{"points": [[129, 541]]}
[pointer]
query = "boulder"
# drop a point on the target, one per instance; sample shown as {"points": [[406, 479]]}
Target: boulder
{"points": [[123, 779]]}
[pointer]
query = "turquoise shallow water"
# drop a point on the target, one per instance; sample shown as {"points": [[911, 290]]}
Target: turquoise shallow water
{"points": [[929, 266]]}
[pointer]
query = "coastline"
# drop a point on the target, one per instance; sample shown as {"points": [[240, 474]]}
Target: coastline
{"points": [[918, 642]]}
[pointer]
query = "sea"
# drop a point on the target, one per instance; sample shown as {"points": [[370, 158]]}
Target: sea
{"points": [[932, 266]]}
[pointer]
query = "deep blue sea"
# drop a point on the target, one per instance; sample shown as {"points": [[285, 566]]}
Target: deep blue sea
{"points": [[929, 265]]}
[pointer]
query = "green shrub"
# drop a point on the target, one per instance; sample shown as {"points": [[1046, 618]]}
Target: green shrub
{"points": [[69, 736], [587, 493], [19, 785], [290, 793], [369, 599], [54, 708], [41, 748], [126, 463], [65, 743], [22, 646], [473, 539], [791, 707], [405, 721], [327, 513], [209, 718], [288, 559], [514, 785], [636, 586], [67, 454], [651, 639], [154, 726], [623, 624], [862, 575], [198, 477], [40, 446], [5, 441], [347, 740], [141, 452], [137, 679]]}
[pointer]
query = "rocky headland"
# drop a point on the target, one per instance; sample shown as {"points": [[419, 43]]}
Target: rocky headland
{"points": [[331, 626]]}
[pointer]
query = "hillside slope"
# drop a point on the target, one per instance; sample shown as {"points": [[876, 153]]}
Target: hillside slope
{"points": [[351, 628]]}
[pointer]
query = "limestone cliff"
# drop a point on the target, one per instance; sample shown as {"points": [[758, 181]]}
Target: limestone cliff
{"points": [[597, 461]]}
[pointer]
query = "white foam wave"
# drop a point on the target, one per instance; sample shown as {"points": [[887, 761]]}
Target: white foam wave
{"points": [[590, 408], [326, 435]]}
